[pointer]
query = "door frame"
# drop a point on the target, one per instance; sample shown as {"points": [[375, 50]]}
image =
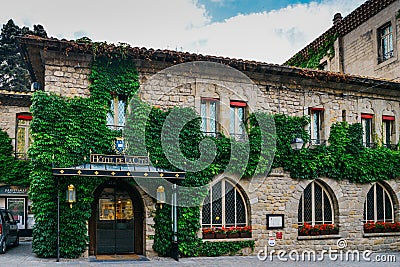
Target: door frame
{"points": [[138, 210]]}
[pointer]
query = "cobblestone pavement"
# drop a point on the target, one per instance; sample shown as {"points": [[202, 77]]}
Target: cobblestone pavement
{"points": [[22, 256]]}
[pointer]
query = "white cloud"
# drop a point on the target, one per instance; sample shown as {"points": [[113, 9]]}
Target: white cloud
{"points": [[268, 36]]}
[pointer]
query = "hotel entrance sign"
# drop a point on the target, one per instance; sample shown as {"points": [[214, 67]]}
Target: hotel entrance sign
{"points": [[119, 159]]}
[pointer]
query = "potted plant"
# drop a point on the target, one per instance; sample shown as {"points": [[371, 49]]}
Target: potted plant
{"points": [[232, 232], [245, 231], [220, 232], [208, 233]]}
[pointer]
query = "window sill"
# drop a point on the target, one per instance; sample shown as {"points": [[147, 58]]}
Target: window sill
{"points": [[388, 61], [229, 239], [381, 234], [315, 237]]}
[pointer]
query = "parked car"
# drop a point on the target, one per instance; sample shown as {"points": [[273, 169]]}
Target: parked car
{"points": [[9, 233]]}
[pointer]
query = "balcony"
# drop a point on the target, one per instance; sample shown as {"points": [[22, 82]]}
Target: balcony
{"points": [[370, 145], [317, 142], [391, 146], [21, 156]]}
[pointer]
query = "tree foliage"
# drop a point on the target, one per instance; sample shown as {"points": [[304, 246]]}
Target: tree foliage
{"points": [[13, 71]]}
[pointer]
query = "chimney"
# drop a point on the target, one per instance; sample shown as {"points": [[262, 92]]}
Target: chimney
{"points": [[337, 18]]}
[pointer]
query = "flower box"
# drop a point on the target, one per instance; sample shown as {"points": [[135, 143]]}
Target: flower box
{"points": [[381, 227], [318, 229], [209, 236], [220, 235], [233, 235], [245, 234]]}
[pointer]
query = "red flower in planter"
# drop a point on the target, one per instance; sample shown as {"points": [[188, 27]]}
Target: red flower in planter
{"points": [[208, 230], [369, 225]]}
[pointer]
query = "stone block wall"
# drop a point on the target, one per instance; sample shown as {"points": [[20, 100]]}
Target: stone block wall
{"points": [[280, 194], [8, 119], [67, 75], [360, 47]]}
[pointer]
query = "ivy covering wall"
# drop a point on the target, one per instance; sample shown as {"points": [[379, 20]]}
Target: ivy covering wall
{"points": [[66, 130], [313, 57], [12, 171]]}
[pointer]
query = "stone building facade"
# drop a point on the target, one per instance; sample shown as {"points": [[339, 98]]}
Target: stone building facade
{"points": [[243, 86], [367, 41]]}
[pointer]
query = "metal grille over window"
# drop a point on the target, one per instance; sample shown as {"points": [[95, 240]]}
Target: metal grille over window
{"points": [[228, 206], [217, 204], [315, 205], [378, 205], [206, 212]]}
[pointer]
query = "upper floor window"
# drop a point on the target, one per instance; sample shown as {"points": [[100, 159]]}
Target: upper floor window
{"points": [[388, 131], [315, 129], [366, 121], [224, 206], [23, 138], [117, 112], [315, 206], [208, 112], [385, 39], [237, 120], [379, 205]]}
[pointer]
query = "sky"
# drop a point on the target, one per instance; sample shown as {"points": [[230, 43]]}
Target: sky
{"points": [[263, 30]]}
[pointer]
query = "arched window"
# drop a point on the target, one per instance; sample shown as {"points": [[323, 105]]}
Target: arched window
{"points": [[316, 206], [225, 206], [378, 206]]}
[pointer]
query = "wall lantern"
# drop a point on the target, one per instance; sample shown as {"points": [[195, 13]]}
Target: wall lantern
{"points": [[71, 195], [160, 196], [297, 143]]}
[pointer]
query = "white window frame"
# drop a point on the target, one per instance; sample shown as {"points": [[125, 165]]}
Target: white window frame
{"points": [[113, 114], [386, 193], [26, 117], [388, 123], [223, 212], [205, 112], [365, 134], [385, 39], [237, 128], [324, 191], [316, 127]]}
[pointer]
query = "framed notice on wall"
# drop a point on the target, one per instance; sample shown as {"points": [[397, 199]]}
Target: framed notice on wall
{"points": [[275, 221], [17, 208]]}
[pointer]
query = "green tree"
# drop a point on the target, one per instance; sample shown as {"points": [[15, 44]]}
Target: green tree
{"points": [[13, 71]]}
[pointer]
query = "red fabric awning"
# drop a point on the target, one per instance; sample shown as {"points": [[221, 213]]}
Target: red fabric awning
{"points": [[367, 116], [24, 117], [316, 109], [238, 104], [387, 118]]}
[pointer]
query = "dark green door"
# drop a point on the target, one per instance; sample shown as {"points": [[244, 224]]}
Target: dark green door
{"points": [[115, 221]]}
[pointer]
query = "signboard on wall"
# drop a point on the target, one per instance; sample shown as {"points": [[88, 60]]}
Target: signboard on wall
{"points": [[17, 208], [13, 190], [275, 221]]}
